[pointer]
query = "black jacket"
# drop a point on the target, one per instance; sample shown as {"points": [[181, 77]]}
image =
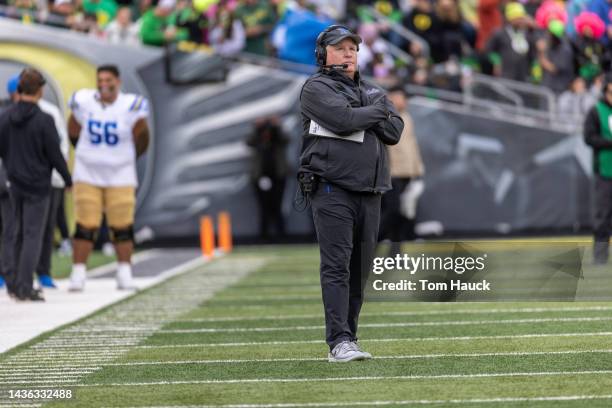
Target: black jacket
{"points": [[344, 106], [29, 148], [594, 137]]}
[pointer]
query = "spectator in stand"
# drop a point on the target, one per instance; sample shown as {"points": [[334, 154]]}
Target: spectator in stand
{"points": [[227, 36], [556, 58], [469, 12], [157, 26], [373, 51], [143, 7], [122, 30], [602, 9], [63, 7], [422, 21], [24, 5], [451, 31], [574, 8], [195, 22], [510, 47], [104, 10], [295, 33], [531, 6], [490, 19], [577, 100], [590, 55], [258, 19]]}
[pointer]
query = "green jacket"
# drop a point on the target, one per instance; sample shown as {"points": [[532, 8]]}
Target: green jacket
{"points": [[152, 28]]}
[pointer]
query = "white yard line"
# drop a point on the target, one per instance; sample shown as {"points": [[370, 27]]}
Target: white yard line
{"points": [[383, 325], [389, 357], [399, 402], [391, 340], [360, 378], [412, 313]]}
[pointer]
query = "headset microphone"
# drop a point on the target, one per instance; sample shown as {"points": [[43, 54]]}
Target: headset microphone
{"points": [[335, 66]]}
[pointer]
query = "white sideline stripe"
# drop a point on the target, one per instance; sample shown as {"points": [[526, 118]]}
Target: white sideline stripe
{"points": [[459, 338], [402, 402], [109, 267], [391, 357], [361, 378], [415, 313], [382, 325]]}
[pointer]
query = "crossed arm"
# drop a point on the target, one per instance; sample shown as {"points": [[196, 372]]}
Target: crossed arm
{"points": [[335, 113]]}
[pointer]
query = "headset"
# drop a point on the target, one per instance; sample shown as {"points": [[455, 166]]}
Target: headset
{"points": [[321, 52]]}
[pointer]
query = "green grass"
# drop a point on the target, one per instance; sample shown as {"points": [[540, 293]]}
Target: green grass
{"points": [[426, 351]]}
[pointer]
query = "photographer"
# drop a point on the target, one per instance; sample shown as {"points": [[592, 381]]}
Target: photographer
{"points": [[347, 122]]}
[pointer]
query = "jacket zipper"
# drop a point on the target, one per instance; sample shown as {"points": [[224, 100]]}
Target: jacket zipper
{"points": [[376, 169]]}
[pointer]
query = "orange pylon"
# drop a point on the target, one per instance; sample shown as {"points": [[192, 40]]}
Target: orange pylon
{"points": [[225, 232], [207, 236]]}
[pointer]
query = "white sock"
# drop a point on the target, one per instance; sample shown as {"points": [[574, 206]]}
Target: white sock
{"points": [[125, 266], [124, 269], [79, 270]]}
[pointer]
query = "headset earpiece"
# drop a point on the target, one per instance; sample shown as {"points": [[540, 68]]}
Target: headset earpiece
{"points": [[320, 51]]}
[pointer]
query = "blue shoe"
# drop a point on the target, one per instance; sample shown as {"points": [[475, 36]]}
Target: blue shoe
{"points": [[46, 282], [1, 282]]}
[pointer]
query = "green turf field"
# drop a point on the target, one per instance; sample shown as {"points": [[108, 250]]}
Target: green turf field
{"points": [[247, 331]]}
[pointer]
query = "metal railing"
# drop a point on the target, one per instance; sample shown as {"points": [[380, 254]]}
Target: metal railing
{"points": [[522, 95], [35, 16], [400, 30]]}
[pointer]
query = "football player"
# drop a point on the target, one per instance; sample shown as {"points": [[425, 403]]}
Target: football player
{"points": [[109, 130]]}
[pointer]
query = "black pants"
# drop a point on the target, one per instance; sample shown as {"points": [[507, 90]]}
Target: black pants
{"points": [[61, 218], [7, 260], [30, 217], [602, 225], [347, 230], [44, 262], [393, 224], [271, 208]]}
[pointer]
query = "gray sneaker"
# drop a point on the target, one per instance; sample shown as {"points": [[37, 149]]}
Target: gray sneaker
{"points": [[368, 355], [345, 352]]}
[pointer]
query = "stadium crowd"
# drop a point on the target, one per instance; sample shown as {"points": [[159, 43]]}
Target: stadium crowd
{"points": [[563, 45]]}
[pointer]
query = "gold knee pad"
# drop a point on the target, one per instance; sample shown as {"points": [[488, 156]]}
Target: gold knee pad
{"points": [[88, 204], [119, 205]]}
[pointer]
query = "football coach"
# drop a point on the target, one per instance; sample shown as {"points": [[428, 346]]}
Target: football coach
{"points": [[344, 170]]}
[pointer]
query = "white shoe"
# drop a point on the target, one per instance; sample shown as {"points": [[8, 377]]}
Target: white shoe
{"points": [[77, 278], [345, 352], [365, 353], [124, 277]]}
